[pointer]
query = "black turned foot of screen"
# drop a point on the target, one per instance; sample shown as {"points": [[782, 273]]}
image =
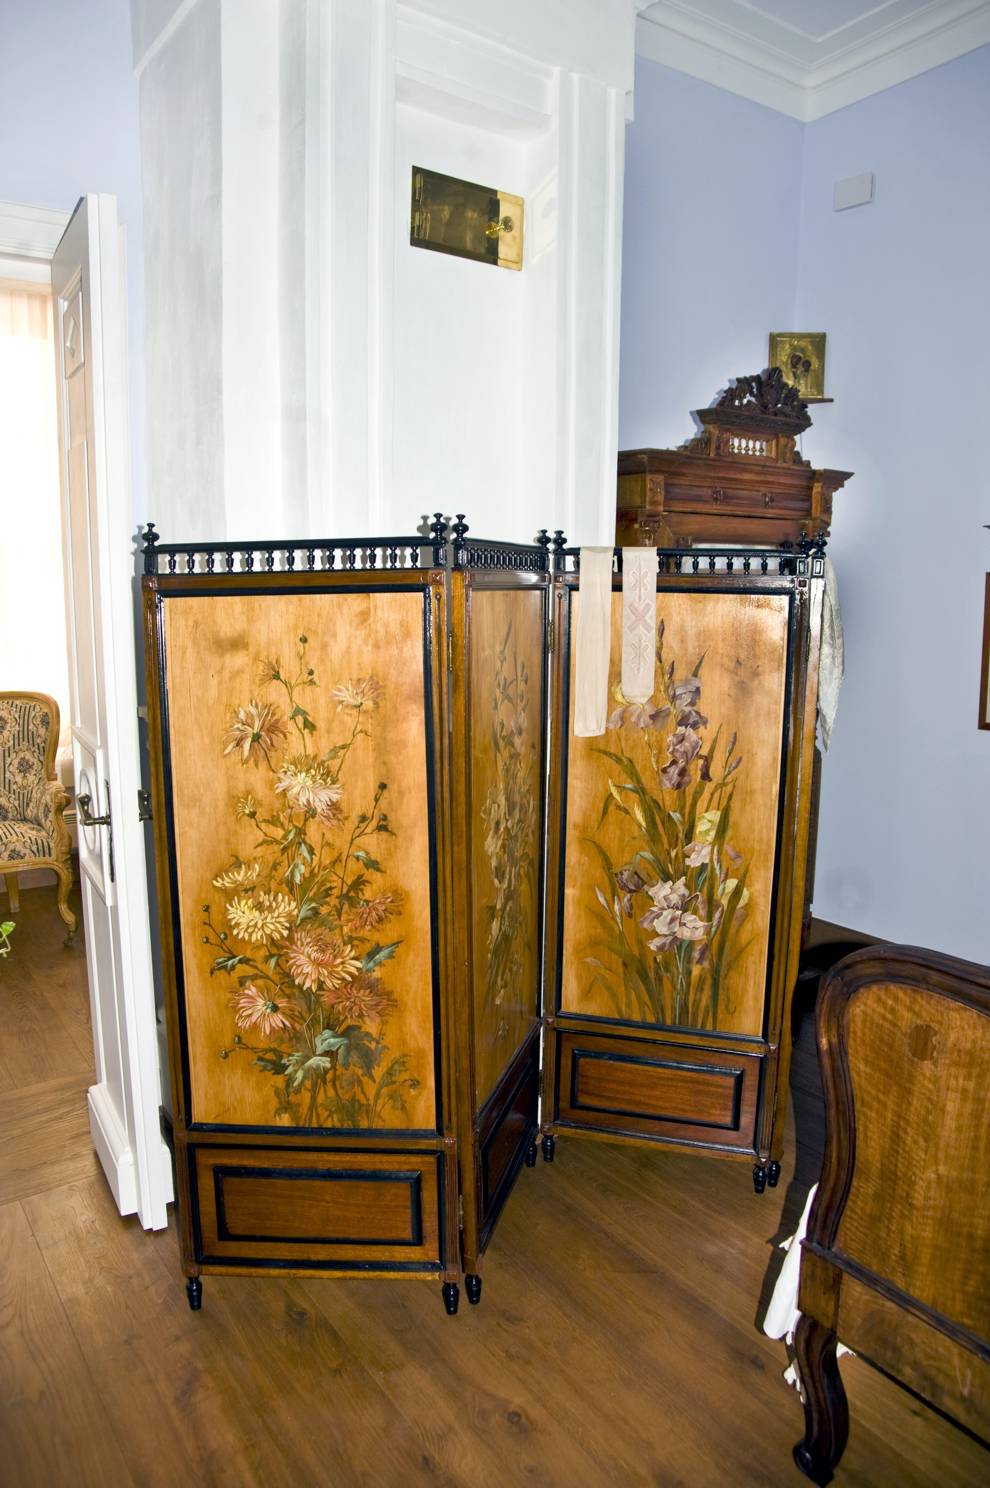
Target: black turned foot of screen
{"points": [[826, 1412], [531, 1155], [451, 1297], [549, 1145], [773, 1174], [759, 1178], [472, 1285], [194, 1292]]}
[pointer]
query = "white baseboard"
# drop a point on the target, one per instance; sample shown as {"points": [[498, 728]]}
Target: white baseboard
{"points": [[113, 1149]]}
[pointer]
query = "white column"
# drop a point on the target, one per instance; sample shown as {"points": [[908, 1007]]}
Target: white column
{"points": [[591, 143], [352, 227], [310, 373], [250, 216]]}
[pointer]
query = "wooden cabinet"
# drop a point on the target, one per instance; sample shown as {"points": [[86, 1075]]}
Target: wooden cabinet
{"points": [[742, 479], [400, 903]]}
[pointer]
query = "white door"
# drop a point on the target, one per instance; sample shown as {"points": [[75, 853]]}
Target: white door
{"points": [[88, 298]]}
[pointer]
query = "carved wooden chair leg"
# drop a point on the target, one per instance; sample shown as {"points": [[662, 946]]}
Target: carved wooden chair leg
{"points": [[826, 1413], [451, 1297], [194, 1291], [13, 898], [64, 875]]}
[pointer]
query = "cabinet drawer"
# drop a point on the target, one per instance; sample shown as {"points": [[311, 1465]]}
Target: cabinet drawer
{"points": [[741, 499], [649, 1088], [340, 1210]]}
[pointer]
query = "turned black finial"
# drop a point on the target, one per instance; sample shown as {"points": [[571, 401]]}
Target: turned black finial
{"points": [[460, 528], [559, 541], [543, 539], [148, 548], [438, 534]]}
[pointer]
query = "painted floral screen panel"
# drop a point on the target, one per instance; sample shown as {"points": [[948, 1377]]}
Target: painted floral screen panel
{"points": [[507, 647], [297, 743], [671, 822]]}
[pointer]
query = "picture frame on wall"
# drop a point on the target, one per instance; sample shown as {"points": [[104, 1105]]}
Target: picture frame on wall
{"points": [[800, 355], [984, 720]]}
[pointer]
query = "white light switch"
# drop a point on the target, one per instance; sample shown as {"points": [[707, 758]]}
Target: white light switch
{"points": [[854, 191]]}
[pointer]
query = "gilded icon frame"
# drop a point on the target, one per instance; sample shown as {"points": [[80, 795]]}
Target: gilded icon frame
{"points": [[800, 355]]}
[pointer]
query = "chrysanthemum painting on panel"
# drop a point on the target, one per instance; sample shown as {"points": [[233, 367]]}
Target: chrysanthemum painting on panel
{"points": [[294, 929], [302, 844]]}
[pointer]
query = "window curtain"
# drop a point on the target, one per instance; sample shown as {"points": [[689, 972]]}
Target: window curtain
{"points": [[32, 596]]}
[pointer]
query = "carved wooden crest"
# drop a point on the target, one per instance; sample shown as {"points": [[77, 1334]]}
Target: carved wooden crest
{"points": [[762, 402]]}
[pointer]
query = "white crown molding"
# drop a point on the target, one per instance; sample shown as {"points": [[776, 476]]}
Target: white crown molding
{"points": [[721, 56], [741, 70], [30, 232]]}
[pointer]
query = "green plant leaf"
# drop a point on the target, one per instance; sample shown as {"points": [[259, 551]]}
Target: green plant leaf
{"points": [[272, 1061], [361, 1049], [378, 954], [329, 1042], [313, 1069], [227, 963], [372, 864], [304, 719]]}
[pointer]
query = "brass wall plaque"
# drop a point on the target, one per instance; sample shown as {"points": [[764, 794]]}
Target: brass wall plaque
{"points": [[467, 220], [800, 355]]}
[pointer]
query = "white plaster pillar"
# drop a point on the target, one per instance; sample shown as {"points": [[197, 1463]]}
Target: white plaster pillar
{"points": [[250, 217], [309, 372]]}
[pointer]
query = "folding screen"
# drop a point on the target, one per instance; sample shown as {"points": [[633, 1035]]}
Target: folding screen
{"points": [[382, 937], [678, 846], [498, 680]]}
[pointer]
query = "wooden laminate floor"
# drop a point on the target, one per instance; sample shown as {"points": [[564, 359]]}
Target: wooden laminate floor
{"points": [[617, 1341]]}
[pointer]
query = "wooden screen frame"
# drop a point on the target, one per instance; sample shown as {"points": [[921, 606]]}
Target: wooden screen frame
{"points": [[805, 592], [508, 1114], [186, 1133]]}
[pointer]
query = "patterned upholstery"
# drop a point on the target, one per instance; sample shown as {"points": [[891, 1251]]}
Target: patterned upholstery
{"points": [[25, 734], [31, 800], [22, 840]]}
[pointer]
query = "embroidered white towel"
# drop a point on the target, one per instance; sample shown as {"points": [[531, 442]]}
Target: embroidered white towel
{"points": [[639, 623], [832, 663], [782, 1314], [593, 642]]}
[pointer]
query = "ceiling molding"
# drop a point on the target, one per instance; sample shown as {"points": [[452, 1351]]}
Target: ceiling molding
{"points": [[674, 33]]}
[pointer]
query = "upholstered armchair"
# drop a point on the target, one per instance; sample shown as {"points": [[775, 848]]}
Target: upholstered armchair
{"points": [[32, 832]]}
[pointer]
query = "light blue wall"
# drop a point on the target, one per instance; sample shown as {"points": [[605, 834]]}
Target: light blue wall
{"points": [[902, 287], [69, 125], [729, 232], [710, 238]]}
